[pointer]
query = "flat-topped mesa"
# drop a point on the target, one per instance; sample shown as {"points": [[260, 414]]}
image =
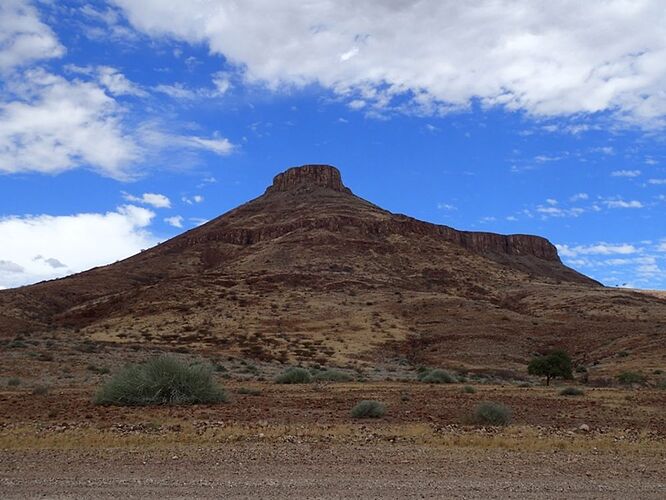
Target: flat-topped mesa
{"points": [[308, 176]]}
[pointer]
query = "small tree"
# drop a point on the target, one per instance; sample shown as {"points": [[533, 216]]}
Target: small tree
{"points": [[554, 364]]}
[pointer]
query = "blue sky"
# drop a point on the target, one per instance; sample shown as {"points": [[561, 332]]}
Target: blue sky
{"points": [[124, 123]]}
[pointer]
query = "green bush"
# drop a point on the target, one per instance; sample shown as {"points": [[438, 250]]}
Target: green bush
{"points": [[628, 378], [468, 389], [661, 384], [368, 409], [333, 376], [437, 377], [571, 391], [294, 375], [13, 382], [161, 381], [553, 364], [490, 413]]}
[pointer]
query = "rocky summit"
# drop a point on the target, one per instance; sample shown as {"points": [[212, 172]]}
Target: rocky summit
{"points": [[310, 272]]}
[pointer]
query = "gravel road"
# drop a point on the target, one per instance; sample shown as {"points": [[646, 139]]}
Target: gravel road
{"points": [[262, 470]]}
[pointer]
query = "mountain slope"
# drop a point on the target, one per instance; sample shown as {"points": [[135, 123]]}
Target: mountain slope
{"points": [[308, 271]]}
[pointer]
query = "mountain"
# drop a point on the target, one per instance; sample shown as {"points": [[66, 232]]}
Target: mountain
{"points": [[310, 272]]}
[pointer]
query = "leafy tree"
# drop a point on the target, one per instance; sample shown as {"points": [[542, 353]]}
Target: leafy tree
{"points": [[553, 364]]}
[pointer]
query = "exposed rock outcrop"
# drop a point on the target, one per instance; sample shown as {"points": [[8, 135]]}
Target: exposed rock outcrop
{"points": [[308, 176]]}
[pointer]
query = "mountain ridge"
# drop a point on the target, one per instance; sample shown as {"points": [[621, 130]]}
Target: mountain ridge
{"points": [[309, 269]]}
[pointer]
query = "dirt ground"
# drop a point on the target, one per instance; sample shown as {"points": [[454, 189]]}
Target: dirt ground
{"points": [[277, 441], [290, 470]]}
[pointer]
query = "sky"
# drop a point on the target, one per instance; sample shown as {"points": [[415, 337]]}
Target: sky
{"points": [[125, 123]]}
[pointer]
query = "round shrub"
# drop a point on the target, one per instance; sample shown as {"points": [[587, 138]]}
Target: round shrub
{"points": [[368, 409], [14, 382], [571, 391], [490, 413], [629, 378], [468, 389], [294, 375], [438, 377], [161, 381]]}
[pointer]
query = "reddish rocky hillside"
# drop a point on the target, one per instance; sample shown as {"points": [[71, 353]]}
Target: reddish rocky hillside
{"points": [[308, 271]]}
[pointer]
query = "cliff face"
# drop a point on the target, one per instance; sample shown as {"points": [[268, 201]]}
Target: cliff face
{"points": [[314, 181]]}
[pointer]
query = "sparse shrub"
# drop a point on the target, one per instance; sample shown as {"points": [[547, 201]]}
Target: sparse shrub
{"points": [[468, 389], [45, 356], [17, 344], [248, 391], [437, 376], [14, 382], [553, 364], [368, 409], [333, 376], [294, 375], [101, 370], [40, 390], [629, 378], [405, 396], [161, 381], [490, 413], [87, 346], [661, 384], [571, 391], [622, 354]]}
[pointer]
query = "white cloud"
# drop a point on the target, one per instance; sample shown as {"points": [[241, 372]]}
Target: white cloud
{"points": [[579, 197], [197, 198], [176, 91], [43, 247], [23, 37], [623, 204], [626, 173], [597, 249], [657, 182], [154, 199], [446, 206], [180, 91], [117, 83], [55, 125], [152, 136], [546, 58], [175, 221], [221, 82]]}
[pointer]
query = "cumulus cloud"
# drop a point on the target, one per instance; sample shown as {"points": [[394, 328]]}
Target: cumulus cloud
{"points": [[154, 199], [40, 247], [52, 125], [546, 58], [23, 37]]}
